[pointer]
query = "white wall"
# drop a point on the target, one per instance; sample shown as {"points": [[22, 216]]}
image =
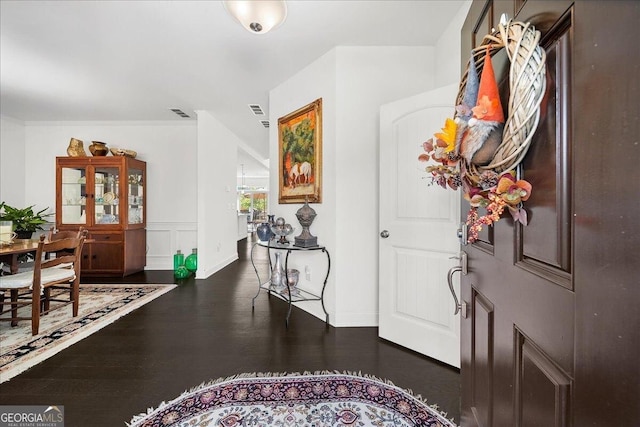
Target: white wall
{"points": [[289, 96], [367, 78], [191, 167], [169, 148], [217, 157], [353, 82], [448, 68], [12, 162]]}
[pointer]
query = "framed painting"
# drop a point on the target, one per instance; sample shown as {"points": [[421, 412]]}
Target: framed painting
{"points": [[300, 155]]}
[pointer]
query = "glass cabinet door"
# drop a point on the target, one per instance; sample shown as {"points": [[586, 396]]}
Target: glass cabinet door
{"points": [[74, 195], [136, 194], [107, 195]]}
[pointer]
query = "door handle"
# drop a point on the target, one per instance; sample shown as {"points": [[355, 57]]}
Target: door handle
{"points": [[462, 268], [384, 234]]}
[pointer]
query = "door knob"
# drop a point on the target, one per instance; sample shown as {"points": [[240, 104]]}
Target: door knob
{"points": [[384, 234]]}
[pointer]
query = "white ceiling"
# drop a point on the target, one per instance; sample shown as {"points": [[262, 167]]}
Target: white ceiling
{"points": [[134, 60]]}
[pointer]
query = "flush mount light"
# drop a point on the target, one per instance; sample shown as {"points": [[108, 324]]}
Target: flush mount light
{"points": [[258, 17]]}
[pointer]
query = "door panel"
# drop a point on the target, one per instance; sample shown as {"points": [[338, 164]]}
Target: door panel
{"points": [[546, 241], [482, 358], [539, 383]]}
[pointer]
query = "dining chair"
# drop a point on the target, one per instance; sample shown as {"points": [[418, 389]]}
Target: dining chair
{"points": [[30, 288], [55, 234]]}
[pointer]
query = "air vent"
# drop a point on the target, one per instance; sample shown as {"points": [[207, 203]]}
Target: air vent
{"points": [[265, 123], [257, 110], [180, 113]]}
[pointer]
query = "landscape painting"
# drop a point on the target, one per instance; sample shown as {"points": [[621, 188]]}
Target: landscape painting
{"points": [[300, 155]]}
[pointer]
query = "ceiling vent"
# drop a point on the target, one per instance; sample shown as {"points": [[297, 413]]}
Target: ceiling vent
{"points": [[265, 123], [180, 113], [257, 110]]}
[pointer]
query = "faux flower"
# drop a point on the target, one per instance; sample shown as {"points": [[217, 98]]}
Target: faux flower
{"points": [[448, 135], [485, 107], [513, 192]]}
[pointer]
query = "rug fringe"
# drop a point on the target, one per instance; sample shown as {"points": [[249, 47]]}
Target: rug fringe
{"points": [[248, 375]]}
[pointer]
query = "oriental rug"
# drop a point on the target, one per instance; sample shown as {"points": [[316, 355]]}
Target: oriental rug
{"points": [[321, 399], [100, 305]]}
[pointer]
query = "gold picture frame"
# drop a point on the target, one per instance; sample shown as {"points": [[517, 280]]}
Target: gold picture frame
{"points": [[300, 155]]}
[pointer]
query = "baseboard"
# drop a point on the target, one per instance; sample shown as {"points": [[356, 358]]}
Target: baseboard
{"points": [[203, 274]]}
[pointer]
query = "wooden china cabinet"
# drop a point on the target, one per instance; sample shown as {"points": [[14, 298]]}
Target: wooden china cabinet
{"points": [[106, 195]]}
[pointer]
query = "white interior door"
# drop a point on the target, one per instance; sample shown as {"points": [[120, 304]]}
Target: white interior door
{"points": [[416, 307]]}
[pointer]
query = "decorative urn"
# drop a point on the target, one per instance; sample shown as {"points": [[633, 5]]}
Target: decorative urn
{"points": [[305, 216]]}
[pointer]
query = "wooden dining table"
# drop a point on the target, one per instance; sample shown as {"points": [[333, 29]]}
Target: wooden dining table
{"points": [[9, 253]]}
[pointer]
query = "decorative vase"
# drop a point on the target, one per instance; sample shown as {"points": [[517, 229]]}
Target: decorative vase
{"points": [[76, 148], [264, 232], [306, 214], [293, 275], [277, 274], [191, 262], [178, 261], [98, 148], [181, 272], [282, 231]]}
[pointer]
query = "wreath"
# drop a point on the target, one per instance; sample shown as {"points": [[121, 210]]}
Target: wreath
{"points": [[478, 150]]}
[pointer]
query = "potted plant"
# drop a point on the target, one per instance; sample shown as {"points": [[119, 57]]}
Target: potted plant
{"points": [[25, 221]]}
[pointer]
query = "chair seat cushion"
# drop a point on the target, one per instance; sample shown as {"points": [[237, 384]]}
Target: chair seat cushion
{"points": [[25, 280]]}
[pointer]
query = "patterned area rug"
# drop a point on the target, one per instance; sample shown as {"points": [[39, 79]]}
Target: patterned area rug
{"points": [[100, 305], [320, 400]]}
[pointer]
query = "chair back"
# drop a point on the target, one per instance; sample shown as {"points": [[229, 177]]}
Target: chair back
{"points": [[55, 234], [67, 255]]}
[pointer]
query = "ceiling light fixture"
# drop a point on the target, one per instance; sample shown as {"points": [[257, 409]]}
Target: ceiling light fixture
{"points": [[258, 17]]}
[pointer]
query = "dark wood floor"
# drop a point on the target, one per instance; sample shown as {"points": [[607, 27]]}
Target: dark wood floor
{"points": [[204, 330]]}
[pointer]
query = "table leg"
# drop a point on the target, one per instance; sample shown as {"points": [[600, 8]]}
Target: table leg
{"points": [[324, 284], [253, 301], [286, 282]]}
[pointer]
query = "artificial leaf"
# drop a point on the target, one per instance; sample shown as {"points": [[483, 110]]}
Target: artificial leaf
{"points": [[448, 134]]}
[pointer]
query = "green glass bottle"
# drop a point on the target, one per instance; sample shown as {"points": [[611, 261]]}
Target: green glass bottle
{"points": [[192, 261], [178, 261]]}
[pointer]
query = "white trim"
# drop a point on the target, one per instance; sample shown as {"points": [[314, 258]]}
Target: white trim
{"points": [[205, 274]]}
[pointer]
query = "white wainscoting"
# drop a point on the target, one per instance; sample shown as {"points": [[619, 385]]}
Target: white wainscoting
{"points": [[165, 238]]}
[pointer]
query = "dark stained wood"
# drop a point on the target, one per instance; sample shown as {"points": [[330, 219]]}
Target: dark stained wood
{"points": [[557, 300], [515, 272], [113, 249], [606, 208], [204, 330]]}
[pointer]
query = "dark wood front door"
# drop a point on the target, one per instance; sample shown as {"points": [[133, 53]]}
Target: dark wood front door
{"points": [[550, 336]]}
